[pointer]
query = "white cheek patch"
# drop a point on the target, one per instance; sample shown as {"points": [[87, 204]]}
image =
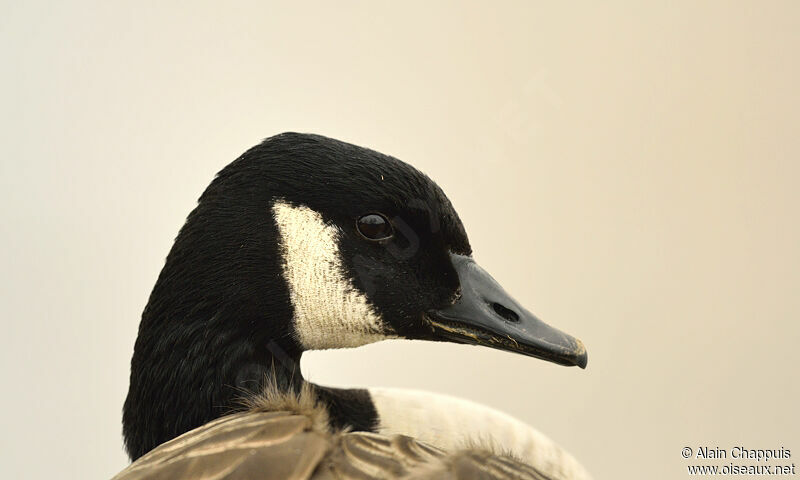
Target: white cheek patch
{"points": [[329, 312]]}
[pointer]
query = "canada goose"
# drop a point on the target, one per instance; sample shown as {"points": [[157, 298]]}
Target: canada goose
{"points": [[302, 243]]}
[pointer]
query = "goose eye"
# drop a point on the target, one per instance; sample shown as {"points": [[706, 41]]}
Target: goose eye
{"points": [[374, 227]]}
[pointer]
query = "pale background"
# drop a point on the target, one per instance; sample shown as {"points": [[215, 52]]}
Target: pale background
{"points": [[629, 172]]}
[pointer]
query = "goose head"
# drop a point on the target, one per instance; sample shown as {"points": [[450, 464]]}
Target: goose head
{"points": [[307, 243]]}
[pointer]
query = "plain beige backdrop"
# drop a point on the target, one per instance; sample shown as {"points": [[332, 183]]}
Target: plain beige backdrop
{"points": [[628, 171]]}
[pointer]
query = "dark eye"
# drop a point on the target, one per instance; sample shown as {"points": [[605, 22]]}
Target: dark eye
{"points": [[374, 226]]}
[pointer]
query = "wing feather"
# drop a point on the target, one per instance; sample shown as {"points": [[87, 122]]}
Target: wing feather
{"points": [[263, 445], [288, 446]]}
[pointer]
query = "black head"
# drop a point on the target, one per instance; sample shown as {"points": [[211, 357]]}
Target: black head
{"points": [[305, 242]]}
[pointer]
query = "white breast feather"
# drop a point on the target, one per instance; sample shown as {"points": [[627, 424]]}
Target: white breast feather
{"points": [[452, 423]]}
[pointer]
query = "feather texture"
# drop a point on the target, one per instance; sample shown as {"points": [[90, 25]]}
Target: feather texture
{"points": [[289, 446], [287, 436]]}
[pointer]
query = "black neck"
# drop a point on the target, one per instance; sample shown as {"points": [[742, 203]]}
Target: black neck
{"points": [[182, 377]]}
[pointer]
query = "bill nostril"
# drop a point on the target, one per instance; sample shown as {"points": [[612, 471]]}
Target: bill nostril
{"points": [[504, 312]]}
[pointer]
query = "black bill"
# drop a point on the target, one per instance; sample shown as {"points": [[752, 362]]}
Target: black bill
{"points": [[486, 315]]}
